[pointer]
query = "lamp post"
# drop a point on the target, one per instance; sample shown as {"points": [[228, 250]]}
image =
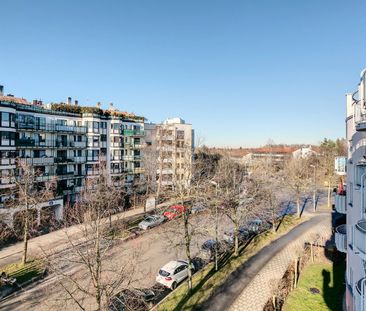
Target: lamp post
{"points": [[314, 187], [216, 226]]}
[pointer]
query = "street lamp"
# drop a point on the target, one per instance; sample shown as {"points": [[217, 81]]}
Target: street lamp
{"points": [[314, 189], [216, 225]]}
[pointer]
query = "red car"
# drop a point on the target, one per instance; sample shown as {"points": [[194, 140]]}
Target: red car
{"points": [[175, 211]]}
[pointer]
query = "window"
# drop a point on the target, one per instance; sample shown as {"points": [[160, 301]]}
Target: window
{"points": [[7, 138], [103, 125], [360, 170]]}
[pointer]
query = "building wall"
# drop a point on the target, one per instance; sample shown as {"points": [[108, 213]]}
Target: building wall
{"points": [[356, 198]]}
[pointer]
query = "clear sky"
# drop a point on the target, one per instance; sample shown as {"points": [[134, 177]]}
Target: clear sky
{"points": [[242, 72]]}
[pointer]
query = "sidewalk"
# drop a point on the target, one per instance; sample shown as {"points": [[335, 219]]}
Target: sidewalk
{"points": [[55, 241], [249, 288]]}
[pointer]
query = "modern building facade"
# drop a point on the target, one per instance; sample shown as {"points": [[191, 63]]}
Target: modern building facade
{"points": [[67, 143], [351, 238], [175, 145]]}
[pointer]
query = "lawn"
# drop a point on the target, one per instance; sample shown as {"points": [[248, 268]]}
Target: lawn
{"points": [[207, 280], [327, 279], [24, 273]]}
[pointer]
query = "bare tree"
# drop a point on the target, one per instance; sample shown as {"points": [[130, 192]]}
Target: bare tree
{"points": [[270, 179], [328, 151], [150, 163], [27, 196], [240, 195], [99, 278], [296, 177]]}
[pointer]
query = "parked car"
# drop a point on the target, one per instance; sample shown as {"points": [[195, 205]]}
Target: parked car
{"points": [[257, 226], [198, 209], [175, 211], [173, 273], [244, 234], [132, 299], [151, 221], [208, 249]]}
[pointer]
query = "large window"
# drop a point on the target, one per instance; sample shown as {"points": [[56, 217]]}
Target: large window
{"points": [[7, 138], [7, 119]]}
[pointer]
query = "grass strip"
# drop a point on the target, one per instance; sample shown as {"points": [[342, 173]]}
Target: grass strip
{"points": [[207, 280]]}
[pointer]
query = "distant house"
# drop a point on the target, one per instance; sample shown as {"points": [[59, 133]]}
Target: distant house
{"points": [[304, 152]]}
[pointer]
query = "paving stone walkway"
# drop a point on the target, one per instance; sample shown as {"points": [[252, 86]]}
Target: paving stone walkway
{"points": [[256, 294], [249, 288]]}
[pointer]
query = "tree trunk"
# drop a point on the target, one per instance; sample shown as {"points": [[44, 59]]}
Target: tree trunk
{"points": [[216, 237], [98, 294], [25, 238], [298, 206], [329, 192], [188, 249], [236, 240]]}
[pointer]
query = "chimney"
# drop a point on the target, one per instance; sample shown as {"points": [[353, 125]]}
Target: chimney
{"points": [[69, 100], [76, 102], [111, 106], [34, 102], [98, 105], [1, 90]]}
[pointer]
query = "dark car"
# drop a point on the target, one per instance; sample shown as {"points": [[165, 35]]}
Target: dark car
{"points": [[132, 300], [208, 250], [244, 234]]}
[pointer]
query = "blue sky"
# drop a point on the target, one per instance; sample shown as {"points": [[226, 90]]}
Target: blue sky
{"points": [[242, 72]]}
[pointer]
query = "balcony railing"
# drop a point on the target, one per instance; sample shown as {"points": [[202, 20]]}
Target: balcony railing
{"points": [[341, 238], [38, 161], [133, 133], [360, 238], [93, 159], [127, 158], [340, 203], [52, 128], [10, 161], [138, 170], [360, 295]]}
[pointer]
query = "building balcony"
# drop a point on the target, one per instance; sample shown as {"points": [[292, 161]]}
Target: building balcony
{"points": [[341, 238], [79, 159], [128, 158], [70, 129], [116, 144], [79, 144], [360, 295], [7, 162], [38, 161], [93, 159], [44, 177], [360, 238], [340, 203], [133, 133], [138, 170], [25, 142]]}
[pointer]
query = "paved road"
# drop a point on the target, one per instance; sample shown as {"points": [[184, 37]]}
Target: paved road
{"points": [[149, 252], [261, 270]]}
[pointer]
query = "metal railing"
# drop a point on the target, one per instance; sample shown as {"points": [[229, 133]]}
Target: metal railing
{"points": [[341, 238], [360, 238], [340, 203], [360, 295]]}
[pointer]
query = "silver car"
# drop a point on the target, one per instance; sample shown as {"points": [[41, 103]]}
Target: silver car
{"points": [[151, 221]]}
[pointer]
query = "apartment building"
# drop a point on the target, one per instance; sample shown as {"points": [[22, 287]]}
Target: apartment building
{"points": [[175, 144], [67, 143], [351, 237]]}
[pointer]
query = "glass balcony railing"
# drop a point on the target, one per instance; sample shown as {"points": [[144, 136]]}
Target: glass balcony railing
{"points": [[52, 128], [133, 133]]}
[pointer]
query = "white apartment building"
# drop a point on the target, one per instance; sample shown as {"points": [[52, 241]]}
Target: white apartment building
{"points": [[175, 145], [66, 143], [351, 238]]}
